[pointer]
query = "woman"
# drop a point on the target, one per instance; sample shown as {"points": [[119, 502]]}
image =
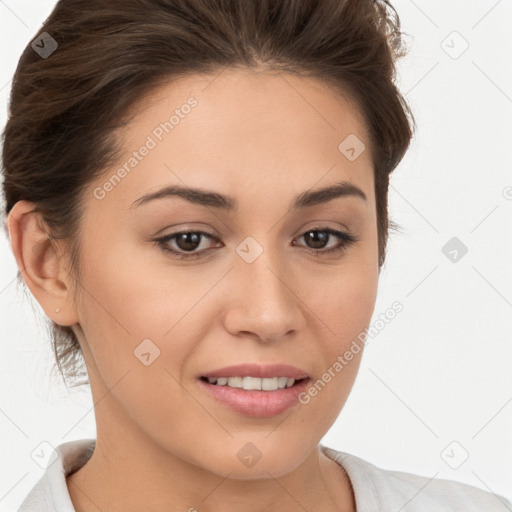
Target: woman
{"points": [[196, 194]]}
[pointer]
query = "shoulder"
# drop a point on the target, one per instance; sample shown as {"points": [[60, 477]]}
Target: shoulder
{"points": [[50, 493], [382, 489]]}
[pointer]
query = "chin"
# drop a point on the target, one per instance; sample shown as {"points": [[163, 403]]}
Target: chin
{"points": [[253, 461]]}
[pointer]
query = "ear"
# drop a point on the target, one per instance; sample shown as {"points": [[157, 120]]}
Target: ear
{"points": [[44, 270]]}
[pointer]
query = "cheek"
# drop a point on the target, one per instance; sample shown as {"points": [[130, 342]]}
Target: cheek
{"points": [[343, 307], [132, 318], [134, 296], [344, 299]]}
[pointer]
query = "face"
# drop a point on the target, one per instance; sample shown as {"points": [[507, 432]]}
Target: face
{"points": [[267, 275]]}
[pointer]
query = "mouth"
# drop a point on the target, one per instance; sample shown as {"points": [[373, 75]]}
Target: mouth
{"points": [[248, 383], [254, 390]]}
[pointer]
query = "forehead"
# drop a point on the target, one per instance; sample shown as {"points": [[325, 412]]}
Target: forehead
{"points": [[236, 129], [277, 102]]}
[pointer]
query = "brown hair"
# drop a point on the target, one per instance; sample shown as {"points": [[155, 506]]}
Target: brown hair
{"points": [[65, 108]]}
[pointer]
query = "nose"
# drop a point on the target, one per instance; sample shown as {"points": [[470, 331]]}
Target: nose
{"points": [[262, 301]]}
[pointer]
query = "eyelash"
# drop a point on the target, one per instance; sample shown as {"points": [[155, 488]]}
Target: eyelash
{"points": [[346, 239]]}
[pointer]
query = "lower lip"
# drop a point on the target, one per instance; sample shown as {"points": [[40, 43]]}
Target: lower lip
{"points": [[255, 403]]}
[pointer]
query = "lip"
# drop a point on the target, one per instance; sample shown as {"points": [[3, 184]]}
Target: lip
{"points": [[255, 403], [259, 370]]}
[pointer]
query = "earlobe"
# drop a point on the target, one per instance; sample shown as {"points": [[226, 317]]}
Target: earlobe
{"points": [[40, 264]]}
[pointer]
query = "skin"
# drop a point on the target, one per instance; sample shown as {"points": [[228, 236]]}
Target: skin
{"points": [[162, 443]]}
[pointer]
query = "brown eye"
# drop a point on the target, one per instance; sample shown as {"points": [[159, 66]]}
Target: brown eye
{"points": [[317, 239], [186, 243]]}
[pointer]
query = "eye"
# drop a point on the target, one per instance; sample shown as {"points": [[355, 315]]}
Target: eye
{"points": [[187, 242], [319, 238]]}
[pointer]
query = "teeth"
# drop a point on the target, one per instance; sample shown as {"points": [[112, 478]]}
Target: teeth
{"points": [[250, 383], [235, 382], [269, 384]]}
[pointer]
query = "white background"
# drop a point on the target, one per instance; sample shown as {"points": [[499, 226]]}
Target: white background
{"points": [[440, 371]]}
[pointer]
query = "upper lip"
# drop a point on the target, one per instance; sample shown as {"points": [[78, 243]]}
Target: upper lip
{"points": [[259, 370]]}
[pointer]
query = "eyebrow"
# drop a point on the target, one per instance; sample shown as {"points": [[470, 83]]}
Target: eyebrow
{"points": [[227, 203]]}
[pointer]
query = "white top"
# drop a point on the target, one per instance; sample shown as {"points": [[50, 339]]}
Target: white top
{"points": [[375, 489]]}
